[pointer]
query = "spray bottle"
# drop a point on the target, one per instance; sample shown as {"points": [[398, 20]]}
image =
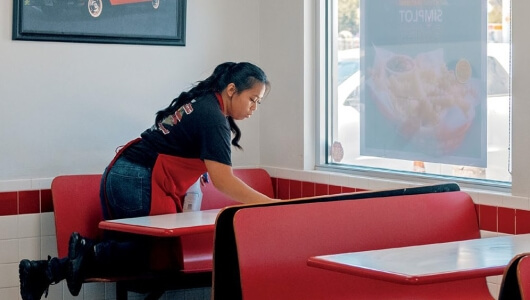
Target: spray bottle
{"points": [[193, 198]]}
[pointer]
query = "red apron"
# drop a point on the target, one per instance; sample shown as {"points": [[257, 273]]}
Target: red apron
{"points": [[171, 178]]}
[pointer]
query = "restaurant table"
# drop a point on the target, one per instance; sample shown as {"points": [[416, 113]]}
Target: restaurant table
{"points": [[168, 225], [431, 263]]}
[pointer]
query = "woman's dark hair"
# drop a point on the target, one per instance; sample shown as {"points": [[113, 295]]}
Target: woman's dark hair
{"points": [[243, 75]]}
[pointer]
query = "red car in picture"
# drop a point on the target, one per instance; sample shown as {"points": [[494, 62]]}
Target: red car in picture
{"points": [[95, 7]]}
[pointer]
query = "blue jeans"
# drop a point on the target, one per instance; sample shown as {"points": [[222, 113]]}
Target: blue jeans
{"points": [[128, 190]]}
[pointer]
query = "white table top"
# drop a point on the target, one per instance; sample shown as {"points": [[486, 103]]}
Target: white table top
{"points": [[430, 263], [166, 225]]}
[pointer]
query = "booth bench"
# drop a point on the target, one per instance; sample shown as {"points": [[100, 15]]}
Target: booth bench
{"points": [[77, 208], [272, 243]]}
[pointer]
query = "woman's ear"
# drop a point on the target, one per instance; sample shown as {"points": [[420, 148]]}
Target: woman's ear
{"points": [[231, 89]]}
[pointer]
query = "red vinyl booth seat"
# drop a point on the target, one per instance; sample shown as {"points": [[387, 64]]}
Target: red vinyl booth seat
{"points": [[515, 283], [274, 242], [77, 208], [523, 276]]}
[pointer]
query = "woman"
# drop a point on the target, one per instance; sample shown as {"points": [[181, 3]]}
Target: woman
{"points": [[151, 174]]}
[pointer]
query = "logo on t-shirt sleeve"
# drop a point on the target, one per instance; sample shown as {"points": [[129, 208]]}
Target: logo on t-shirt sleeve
{"points": [[175, 118]]}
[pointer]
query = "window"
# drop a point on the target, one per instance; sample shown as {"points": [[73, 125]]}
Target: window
{"points": [[418, 88]]}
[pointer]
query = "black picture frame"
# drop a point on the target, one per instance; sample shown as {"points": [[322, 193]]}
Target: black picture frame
{"points": [[142, 22]]}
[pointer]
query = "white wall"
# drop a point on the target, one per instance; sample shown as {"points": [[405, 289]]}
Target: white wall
{"points": [[282, 55], [65, 107], [521, 103]]}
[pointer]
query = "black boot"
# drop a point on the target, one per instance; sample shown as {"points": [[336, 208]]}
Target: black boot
{"points": [[37, 275], [33, 279], [81, 257]]}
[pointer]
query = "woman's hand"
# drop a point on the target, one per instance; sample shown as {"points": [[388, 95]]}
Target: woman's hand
{"points": [[224, 180]]}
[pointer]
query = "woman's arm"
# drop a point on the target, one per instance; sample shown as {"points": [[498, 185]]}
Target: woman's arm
{"points": [[225, 181]]}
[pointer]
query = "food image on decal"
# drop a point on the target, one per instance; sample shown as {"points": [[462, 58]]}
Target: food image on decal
{"points": [[431, 105], [399, 64], [463, 70]]}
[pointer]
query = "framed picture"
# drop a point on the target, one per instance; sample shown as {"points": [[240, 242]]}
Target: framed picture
{"points": [[149, 22]]}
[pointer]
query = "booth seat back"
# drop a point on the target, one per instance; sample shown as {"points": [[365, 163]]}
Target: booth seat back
{"points": [[76, 207], [274, 242], [515, 283], [226, 279], [523, 277], [258, 179]]}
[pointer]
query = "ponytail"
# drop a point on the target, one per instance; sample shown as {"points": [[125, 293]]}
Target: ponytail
{"points": [[236, 131]]}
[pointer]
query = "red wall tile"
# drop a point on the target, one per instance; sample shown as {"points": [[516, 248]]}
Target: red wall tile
{"points": [[488, 218], [28, 202], [321, 189], [522, 221], [334, 189], [46, 203], [283, 189], [348, 190], [491, 218], [274, 182], [295, 189], [308, 189], [8, 204], [506, 220]]}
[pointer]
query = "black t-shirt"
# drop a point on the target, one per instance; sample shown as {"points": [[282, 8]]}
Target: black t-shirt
{"points": [[195, 130]]}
